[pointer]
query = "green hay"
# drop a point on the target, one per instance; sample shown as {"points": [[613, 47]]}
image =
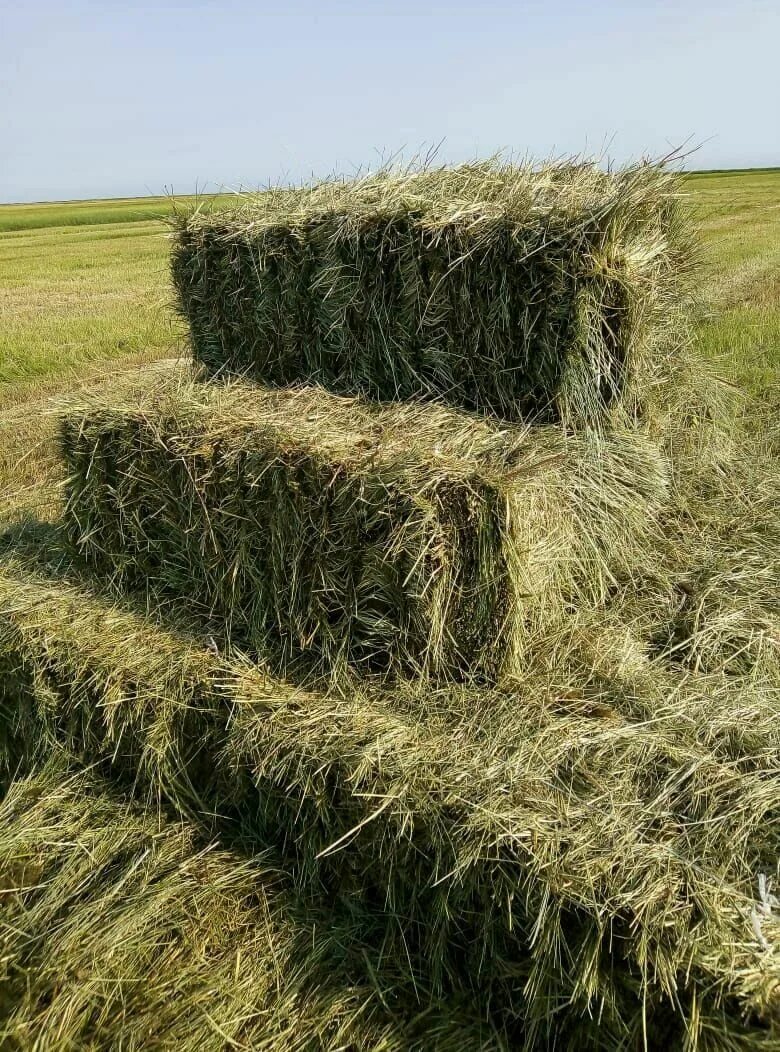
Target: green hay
{"points": [[554, 292], [546, 848], [118, 931], [143, 699], [730, 711], [338, 535]]}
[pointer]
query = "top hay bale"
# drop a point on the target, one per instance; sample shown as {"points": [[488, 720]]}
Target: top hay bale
{"points": [[547, 292]]}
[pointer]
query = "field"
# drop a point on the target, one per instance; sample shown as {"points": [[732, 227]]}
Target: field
{"points": [[86, 282], [334, 724], [739, 217]]}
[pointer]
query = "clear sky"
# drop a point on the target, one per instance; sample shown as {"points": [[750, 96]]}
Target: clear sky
{"points": [[109, 99]]}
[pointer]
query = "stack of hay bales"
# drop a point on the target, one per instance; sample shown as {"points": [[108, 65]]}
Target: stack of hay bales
{"points": [[373, 617]]}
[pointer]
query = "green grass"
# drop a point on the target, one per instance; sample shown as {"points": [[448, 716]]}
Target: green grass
{"points": [[82, 282], [93, 213], [87, 281], [739, 218], [82, 213], [73, 295]]}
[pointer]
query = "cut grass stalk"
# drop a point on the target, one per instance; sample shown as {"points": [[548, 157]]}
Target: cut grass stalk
{"points": [[341, 536]]}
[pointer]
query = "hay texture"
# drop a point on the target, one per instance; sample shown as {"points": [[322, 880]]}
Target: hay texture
{"points": [[340, 535], [556, 845], [550, 292], [119, 931]]}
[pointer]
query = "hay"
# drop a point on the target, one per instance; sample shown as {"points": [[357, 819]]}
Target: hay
{"points": [[342, 536], [119, 931], [552, 292], [541, 847], [728, 586], [106, 682]]}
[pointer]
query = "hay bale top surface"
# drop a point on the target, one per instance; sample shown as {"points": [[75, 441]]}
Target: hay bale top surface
{"points": [[471, 198], [43, 598], [416, 444]]}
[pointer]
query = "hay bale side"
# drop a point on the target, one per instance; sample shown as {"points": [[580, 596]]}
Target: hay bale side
{"points": [[527, 828], [553, 292], [342, 537], [119, 930], [497, 831]]}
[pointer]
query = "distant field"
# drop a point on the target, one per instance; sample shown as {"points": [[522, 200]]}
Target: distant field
{"points": [[94, 213], [739, 219], [87, 281]]}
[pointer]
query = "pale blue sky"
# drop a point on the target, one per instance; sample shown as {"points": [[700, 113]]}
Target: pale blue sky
{"points": [[107, 99]]}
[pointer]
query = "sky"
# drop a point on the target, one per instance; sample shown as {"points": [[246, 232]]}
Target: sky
{"points": [[113, 99]]}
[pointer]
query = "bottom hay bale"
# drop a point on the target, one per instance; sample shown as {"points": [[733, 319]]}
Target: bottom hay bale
{"points": [[118, 932], [584, 868]]}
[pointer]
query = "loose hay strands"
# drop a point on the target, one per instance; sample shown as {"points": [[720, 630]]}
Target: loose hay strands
{"points": [[555, 292], [344, 536], [118, 931], [575, 860], [732, 711], [728, 614]]}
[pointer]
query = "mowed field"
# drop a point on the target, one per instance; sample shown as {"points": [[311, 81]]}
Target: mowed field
{"points": [[83, 283]]}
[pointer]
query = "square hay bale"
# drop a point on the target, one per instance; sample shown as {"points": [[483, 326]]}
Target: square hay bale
{"points": [[551, 291], [344, 536], [118, 929], [497, 831]]}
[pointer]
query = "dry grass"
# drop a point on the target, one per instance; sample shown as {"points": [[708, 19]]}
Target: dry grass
{"points": [[552, 291], [117, 930]]}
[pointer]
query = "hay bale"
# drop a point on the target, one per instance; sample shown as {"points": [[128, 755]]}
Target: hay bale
{"points": [[498, 831], [120, 930], [551, 292], [512, 831], [340, 535]]}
